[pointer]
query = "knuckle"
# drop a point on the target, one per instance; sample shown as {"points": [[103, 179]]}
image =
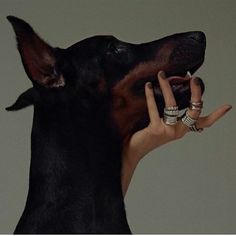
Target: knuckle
{"points": [[155, 130]]}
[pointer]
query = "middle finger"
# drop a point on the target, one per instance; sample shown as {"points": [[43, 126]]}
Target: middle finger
{"points": [[166, 90]]}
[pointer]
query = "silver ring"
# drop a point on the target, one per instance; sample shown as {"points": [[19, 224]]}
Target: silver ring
{"points": [[169, 120], [172, 108], [195, 129], [171, 111], [188, 121], [171, 115], [196, 105]]}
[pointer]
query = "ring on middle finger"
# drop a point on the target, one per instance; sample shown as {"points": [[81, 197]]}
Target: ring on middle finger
{"points": [[171, 115]]}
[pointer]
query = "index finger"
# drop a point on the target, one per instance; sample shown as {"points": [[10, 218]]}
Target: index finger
{"points": [[151, 104]]}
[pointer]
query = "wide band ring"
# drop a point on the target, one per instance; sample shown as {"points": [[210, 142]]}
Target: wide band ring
{"points": [[197, 106], [188, 121], [171, 115]]}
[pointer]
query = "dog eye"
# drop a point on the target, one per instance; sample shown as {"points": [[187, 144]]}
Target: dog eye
{"points": [[112, 48]]}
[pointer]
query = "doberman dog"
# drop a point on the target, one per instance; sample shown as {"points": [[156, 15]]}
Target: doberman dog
{"points": [[88, 101]]}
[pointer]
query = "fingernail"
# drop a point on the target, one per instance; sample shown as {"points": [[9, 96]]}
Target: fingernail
{"points": [[197, 81], [149, 84], [162, 74]]}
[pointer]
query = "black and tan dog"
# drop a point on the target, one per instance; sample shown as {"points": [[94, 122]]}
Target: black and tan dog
{"points": [[88, 100]]}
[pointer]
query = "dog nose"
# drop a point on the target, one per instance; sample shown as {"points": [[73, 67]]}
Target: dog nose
{"points": [[198, 36]]}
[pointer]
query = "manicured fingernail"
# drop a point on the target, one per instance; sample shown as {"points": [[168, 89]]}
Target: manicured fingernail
{"points": [[197, 81], [149, 84], [162, 74]]}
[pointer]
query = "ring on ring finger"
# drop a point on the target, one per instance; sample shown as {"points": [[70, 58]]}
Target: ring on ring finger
{"points": [[188, 121], [196, 105]]}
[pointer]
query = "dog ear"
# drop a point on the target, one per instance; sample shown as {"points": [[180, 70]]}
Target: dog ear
{"points": [[29, 97], [37, 56]]}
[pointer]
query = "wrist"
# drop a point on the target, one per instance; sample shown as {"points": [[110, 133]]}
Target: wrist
{"points": [[131, 158]]}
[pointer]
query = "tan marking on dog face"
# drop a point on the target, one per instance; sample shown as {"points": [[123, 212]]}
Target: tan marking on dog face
{"points": [[142, 70], [128, 109]]}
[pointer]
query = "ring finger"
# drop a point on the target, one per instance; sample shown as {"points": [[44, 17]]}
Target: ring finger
{"points": [[196, 96]]}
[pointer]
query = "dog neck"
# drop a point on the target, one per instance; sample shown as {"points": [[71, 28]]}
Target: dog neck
{"points": [[74, 169]]}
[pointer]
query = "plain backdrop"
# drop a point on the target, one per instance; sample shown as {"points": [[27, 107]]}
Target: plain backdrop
{"points": [[188, 186]]}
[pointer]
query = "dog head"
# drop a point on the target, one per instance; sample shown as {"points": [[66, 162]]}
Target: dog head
{"points": [[103, 75]]}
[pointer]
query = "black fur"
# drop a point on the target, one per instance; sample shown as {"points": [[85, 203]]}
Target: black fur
{"points": [[76, 146]]}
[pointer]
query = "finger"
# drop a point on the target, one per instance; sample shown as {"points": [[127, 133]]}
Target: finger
{"points": [[196, 96], [207, 121], [166, 90], [196, 92], [151, 104]]}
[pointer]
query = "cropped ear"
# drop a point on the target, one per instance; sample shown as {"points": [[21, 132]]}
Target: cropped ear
{"points": [[29, 97], [37, 56]]}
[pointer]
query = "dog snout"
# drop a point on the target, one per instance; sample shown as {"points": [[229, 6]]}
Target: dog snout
{"points": [[198, 36]]}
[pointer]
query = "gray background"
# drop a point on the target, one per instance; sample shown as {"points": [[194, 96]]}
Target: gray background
{"points": [[184, 187]]}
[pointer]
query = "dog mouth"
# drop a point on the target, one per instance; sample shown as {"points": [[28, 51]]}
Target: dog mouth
{"points": [[180, 57], [180, 78], [180, 85], [178, 82]]}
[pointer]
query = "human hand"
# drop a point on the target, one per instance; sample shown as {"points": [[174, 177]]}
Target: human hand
{"points": [[158, 133]]}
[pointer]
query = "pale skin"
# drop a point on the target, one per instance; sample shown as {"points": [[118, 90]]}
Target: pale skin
{"points": [[157, 133]]}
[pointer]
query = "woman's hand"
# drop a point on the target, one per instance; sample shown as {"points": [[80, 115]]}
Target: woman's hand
{"points": [[158, 133]]}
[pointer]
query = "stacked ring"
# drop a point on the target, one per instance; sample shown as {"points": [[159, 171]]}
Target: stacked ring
{"points": [[191, 123], [188, 121], [171, 115]]}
